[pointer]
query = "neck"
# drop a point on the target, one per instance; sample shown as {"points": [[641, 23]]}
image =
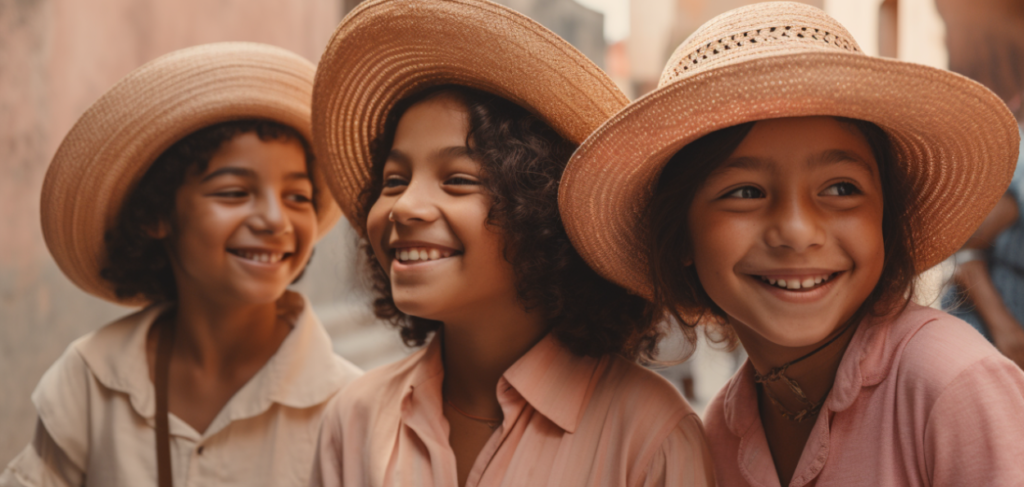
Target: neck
{"points": [[220, 336], [815, 373], [479, 347]]}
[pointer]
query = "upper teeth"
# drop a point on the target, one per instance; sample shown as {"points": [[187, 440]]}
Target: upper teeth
{"points": [[266, 257], [421, 253], [796, 282]]}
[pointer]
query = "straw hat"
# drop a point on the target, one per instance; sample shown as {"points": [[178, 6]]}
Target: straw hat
{"points": [[385, 50], [954, 138], [114, 142]]}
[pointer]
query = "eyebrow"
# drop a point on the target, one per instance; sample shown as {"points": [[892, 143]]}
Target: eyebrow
{"points": [[235, 171], [826, 158], [451, 152]]}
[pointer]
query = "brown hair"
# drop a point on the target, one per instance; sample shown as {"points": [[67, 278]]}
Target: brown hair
{"points": [[137, 264], [678, 292], [522, 160]]}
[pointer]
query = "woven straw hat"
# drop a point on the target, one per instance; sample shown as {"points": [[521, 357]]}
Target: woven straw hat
{"points": [[955, 139], [112, 145], [385, 50]]}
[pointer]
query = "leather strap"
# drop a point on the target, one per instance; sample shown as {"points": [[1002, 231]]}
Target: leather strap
{"points": [[164, 345]]}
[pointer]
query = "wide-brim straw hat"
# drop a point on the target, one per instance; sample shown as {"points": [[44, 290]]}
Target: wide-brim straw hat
{"points": [[116, 140], [955, 140], [386, 50]]}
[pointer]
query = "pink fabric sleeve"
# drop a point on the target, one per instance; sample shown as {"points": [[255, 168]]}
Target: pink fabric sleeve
{"points": [[974, 434], [684, 459], [327, 470]]}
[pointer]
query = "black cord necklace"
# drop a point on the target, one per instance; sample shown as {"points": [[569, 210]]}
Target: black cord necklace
{"points": [[811, 408]]}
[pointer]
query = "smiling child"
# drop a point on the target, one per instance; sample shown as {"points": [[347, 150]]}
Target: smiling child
{"points": [[785, 189], [190, 188], [449, 156]]}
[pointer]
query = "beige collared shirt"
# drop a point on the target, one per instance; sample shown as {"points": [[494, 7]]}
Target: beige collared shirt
{"points": [[97, 407], [568, 421]]}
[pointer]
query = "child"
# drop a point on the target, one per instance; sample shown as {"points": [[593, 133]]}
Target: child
{"points": [[189, 187], [528, 374], [787, 189]]}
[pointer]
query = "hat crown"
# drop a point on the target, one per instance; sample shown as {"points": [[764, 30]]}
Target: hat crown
{"points": [[755, 31]]}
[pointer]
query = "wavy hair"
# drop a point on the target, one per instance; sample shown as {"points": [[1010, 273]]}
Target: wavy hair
{"points": [[522, 160]]}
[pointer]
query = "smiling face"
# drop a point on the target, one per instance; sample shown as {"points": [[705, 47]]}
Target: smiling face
{"points": [[428, 226], [787, 232], [244, 228]]}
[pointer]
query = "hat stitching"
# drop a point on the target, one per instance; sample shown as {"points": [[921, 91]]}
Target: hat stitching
{"points": [[786, 32]]}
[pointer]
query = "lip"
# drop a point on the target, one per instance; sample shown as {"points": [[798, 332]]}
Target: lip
{"points": [[799, 296]]}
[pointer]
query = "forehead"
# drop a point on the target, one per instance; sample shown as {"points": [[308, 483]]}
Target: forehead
{"points": [[282, 156], [802, 143], [432, 125]]}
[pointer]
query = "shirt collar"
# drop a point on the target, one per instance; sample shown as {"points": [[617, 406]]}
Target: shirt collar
{"points": [[302, 373], [868, 360], [555, 381]]}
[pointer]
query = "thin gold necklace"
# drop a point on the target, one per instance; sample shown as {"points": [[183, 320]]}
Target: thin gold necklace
{"points": [[491, 423]]}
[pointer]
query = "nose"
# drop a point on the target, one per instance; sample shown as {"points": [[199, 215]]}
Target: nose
{"points": [[415, 205], [269, 216], [796, 224]]}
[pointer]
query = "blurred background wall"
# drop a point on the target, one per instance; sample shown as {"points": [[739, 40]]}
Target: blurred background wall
{"points": [[59, 56]]}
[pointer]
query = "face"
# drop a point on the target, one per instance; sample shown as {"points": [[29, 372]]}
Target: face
{"points": [[787, 232], [244, 228], [428, 227]]}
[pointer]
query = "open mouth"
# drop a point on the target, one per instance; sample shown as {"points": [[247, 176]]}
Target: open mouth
{"points": [[799, 283], [261, 257], [408, 255]]}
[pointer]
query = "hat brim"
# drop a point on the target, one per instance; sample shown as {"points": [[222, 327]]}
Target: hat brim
{"points": [[386, 50], [955, 140], [116, 140]]}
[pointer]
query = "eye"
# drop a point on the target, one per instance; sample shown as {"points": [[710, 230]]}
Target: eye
{"points": [[394, 182], [841, 189], [234, 193], [299, 198], [746, 192], [461, 181]]}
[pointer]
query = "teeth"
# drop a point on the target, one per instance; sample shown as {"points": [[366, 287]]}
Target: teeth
{"points": [[264, 257], [421, 254], [796, 283]]}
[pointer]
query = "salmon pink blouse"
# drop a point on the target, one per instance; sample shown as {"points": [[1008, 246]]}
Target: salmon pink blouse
{"points": [[918, 400], [568, 421]]}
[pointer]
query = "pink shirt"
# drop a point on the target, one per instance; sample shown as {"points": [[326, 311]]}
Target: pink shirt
{"points": [[921, 400], [569, 421]]}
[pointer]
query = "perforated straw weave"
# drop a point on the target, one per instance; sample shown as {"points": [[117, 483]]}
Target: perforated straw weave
{"points": [[385, 50], [955, 140], [116, 140]]}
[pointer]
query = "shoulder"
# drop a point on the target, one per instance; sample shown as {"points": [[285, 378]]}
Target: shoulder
{"points": [[62, 398], [942, 348], [628, 381], [375, 390]]}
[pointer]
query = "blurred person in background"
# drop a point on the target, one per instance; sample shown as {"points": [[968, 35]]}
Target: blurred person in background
{"points": [[989, 277]]}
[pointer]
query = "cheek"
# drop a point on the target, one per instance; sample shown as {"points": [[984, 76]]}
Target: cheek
{"points": [[376, 225]]}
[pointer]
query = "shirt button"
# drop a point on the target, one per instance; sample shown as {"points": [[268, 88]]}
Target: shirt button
{"points": [[200, 450]]}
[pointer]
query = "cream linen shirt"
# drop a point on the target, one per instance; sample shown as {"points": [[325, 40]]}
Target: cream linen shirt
{"points": [[919, 400], [568, 421], [97, 407]]}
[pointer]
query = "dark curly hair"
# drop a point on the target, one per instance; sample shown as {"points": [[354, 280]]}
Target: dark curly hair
{"points": [[137, 264], [522, 160], [678, 292]]}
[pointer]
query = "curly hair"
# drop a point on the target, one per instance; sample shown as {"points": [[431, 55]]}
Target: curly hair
{"points": [[138, 264], [522, 159], [678, 292]]}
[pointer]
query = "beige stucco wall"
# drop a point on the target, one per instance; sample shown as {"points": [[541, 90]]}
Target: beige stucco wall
{"points": [[56, 58]]}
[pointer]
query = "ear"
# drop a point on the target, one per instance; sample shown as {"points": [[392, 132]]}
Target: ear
{"points": [[159, 231]]}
